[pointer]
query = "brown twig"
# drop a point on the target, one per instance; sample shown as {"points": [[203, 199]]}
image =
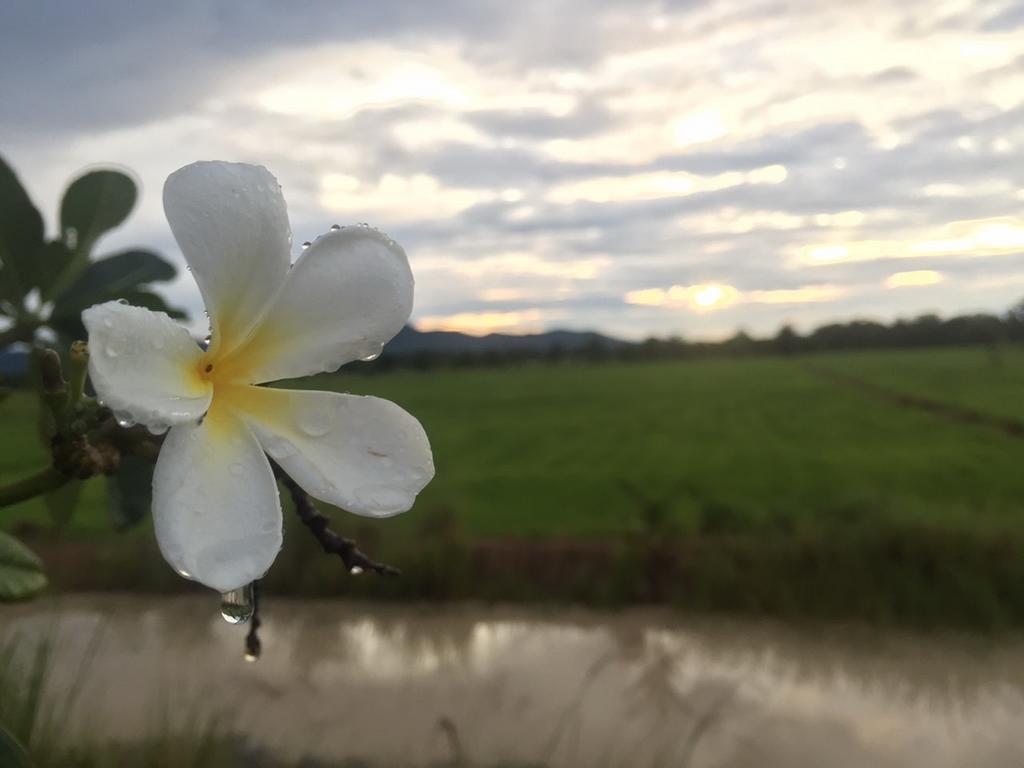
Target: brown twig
{"points": [[332, 543], [253, 646]]}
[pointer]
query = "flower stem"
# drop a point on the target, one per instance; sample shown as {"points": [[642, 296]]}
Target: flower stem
{"points": [[41, 482], [79, 357], [55, 392]]}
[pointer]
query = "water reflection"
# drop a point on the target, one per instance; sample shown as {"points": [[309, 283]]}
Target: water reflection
{"points": [[410, 684]]}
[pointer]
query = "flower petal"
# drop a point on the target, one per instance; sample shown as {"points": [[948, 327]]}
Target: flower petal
{"points": [[232, 226], [363, 454], [143, 365], [346, 296], [215, 503]]}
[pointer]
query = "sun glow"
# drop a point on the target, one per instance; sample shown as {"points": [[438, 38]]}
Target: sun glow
{"points": [[914, 279], [483, 323], [708, 297]]}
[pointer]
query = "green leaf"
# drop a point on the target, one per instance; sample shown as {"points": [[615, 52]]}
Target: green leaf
{"points": [[130, 492], [94, 204], [62, 502], [21, 572], [21, 235], [68, 329], [112, 278], [51, 261], [12, 754]]}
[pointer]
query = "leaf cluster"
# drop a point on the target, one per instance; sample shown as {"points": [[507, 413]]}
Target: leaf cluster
{"points": [[46, 283]]}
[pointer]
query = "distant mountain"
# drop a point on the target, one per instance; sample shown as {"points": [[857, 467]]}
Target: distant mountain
{"points": [[409, 341]]}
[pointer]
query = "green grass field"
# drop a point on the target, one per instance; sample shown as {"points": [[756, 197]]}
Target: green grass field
{"points": [[728, 444], [984, 378], [760, 484]]}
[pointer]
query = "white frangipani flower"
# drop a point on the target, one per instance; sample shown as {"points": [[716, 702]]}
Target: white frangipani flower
{"points": [[215, 501]]}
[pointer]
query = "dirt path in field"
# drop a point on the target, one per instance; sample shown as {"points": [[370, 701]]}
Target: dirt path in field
{"points": [[950, 411]]}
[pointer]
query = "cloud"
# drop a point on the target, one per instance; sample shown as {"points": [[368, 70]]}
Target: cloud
{"points": [[914, 279], [709, 297], [540, 161], [482, 323]]}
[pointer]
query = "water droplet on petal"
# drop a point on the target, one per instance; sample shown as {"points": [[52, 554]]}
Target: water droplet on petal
{"points": [[188, 267], [316, 421], [335, 227], [183, 573], [380, 497], [110, 350], [157, 427], [370, 353], [236, 605], [355, 570], [306, 245], [123, 302], [279, 448]]}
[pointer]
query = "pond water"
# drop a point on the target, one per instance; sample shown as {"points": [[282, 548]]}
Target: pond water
{"points": [[412, 685]]}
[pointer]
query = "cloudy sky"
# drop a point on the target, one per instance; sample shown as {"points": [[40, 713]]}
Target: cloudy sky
{"points": [[676, 167]]}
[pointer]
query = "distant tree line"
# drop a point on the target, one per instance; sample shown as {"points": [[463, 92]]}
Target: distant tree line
{"points": [[926, 330], [994, 331]]}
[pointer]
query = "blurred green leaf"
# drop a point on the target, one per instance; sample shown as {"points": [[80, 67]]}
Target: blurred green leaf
{"points": [[130, 492], [51, 261], [12, 754], [62, 502], [21, 235], [112, 278], [93, 204], [21, 572], [68, 329]]}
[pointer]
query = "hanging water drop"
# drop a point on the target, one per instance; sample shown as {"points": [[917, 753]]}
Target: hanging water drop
{"points": [[251, 657], [356, 570], [370, 353], [183, 573], [236, 605]]}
